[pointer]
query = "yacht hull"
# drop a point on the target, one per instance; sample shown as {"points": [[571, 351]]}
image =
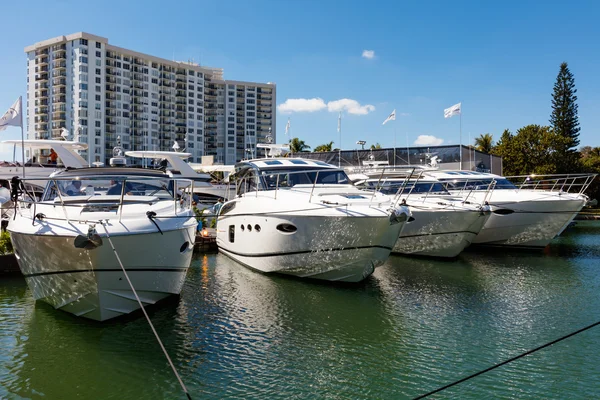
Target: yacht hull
{"points": [[528, 224], [344, 248], [440, 233], [91, 283]]}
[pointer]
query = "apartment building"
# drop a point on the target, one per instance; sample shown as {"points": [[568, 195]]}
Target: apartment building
{"points": [[100, 92]]}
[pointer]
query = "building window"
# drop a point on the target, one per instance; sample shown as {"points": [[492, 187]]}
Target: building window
{"points": [[83, 42], [83, 86], [83, 59], [98, 54], [98, 79], [98, 71], [98, 46], [98, 124]]}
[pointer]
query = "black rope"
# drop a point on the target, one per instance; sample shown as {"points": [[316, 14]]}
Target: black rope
{"points": [[151, 215], [506, 361]]}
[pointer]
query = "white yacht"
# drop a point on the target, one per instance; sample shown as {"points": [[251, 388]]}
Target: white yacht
{"points": [[528, 214], [304, 218], [441, 225], [173, 162], [66, 151], [62, 242]]}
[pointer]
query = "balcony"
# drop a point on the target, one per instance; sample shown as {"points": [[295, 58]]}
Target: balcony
{"points": [[41, 111], [59, 82], [58, 116], [59, 90], [42, 52], [57, 65], [41, 127], [41, 77], [41, 61], [60, 55]]}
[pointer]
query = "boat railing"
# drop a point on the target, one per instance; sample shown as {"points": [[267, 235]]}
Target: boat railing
{"points": [[570, 183], [413, 181], [89, 198]]}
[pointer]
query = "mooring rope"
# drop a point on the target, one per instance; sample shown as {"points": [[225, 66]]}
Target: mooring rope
{"points": [[506, 361], [145, 314]]}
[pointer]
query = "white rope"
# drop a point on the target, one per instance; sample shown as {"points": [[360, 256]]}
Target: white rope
{"points": [[146, 314]]}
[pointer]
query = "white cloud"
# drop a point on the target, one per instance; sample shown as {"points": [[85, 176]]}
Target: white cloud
{"points": [[368, 54], [351, 106], [428, 140], [302, 105]]}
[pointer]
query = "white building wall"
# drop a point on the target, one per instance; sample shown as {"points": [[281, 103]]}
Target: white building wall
{"points": [[102, 92]]}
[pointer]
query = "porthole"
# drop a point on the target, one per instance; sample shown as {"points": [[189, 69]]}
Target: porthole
{"points": [[286, 228], [257, 228], [249, 228], [503, 211], [184, 247]]}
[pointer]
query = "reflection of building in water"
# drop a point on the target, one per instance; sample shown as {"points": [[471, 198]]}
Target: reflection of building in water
{"points": [[447, 157]]}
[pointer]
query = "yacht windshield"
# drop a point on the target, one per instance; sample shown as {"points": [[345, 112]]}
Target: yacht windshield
{"points": [[479, 184], [392, 187], [111, 186], [298, 176]]}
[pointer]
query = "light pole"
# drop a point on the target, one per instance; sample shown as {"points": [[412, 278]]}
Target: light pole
{"points": [[362, 144]]}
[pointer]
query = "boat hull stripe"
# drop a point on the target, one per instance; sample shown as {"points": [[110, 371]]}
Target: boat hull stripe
{"points": [[289, 253], [76, 271]]}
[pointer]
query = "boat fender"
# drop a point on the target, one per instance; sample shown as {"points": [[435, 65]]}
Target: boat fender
{"points": [[89, 242]]}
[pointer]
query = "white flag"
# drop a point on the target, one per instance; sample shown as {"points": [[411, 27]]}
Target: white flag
{"points": [[12, 117], [287, 127], [340, 123], [452, 111], [392, 117], [64, 132]]}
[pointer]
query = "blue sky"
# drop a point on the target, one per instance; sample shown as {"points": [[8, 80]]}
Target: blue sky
{"points": [[500, 59]]}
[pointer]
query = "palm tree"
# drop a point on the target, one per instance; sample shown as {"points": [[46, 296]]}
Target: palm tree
{"points": [[324, 147], [375, 146], [298, 146], [484, 142]]}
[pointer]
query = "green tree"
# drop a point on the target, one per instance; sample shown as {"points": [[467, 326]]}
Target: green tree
{"points": [[564, 119], [298, 146], [375, 146], [590, 160], [324, 147], [533, 149], [484, 142]]}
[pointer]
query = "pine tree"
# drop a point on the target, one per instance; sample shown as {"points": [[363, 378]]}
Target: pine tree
{"points": [[564, 119]]}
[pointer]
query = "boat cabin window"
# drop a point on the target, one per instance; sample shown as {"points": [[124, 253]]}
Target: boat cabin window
{"points": [[479, 184], [298, 176], [245, 180], [111, 186]]}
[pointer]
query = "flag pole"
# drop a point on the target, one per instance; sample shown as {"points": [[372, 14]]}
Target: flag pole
{"points": [[460, 145], [407, 150], [394, 145], [22, 134], [340, 148]]}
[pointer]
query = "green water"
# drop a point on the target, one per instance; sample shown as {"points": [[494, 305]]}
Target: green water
{"points": [[413, 326]]}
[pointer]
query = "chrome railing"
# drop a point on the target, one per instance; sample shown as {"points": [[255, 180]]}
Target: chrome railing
{"points": [[570, 183]]}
